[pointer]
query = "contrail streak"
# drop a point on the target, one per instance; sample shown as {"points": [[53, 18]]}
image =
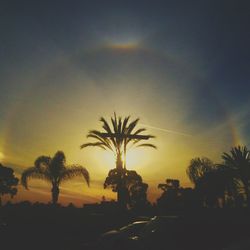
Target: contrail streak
{"points": [[166, 130]]}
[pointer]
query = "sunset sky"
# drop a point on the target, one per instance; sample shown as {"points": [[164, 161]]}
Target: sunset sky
{"points": [[182, 67]]}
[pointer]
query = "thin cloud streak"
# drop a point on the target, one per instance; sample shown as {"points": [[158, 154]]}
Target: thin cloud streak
{"points": [[166, 130]]}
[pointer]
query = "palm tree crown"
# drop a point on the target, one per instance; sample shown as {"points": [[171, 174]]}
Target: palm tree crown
{"points": [[198, 167], [118, 137], [238, 160], [238, 163], [55, 171]]}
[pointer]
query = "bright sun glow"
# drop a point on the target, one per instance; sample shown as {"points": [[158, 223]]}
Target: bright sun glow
{"points": [[1, 156], [135, 159]]}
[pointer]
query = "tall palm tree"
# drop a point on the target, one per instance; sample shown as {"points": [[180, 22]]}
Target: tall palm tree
{"points": [[55, 171], [118, 137], [238, 162]]}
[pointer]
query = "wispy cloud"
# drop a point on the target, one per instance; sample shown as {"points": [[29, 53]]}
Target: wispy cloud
{"points": [[166, 130]]}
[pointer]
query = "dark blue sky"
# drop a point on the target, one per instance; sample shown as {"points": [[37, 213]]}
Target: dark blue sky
{"points": [[217, 32]]}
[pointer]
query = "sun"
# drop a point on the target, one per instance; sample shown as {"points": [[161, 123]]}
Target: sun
{"points": [[135, 159]]}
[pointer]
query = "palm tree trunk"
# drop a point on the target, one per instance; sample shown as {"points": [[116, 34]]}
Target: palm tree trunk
{"points": [[121, 196], [125, 153], [121, 188], [119, 163], [55, 193]]}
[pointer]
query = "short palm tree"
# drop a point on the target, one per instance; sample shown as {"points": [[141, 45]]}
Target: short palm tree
{"points": [[198, 167], [55, 171], [202, 172], [212, 181], [118, 138], [238, 162]]}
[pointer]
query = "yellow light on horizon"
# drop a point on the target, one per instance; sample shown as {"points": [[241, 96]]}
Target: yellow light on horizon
{"points": [[1, 156]]}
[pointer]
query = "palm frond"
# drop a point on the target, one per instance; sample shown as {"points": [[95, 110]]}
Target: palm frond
{"points": [[33, 172], [139, 131], [107, 128], [42, 160], [132, 125], [119, 125], [58, 159], [147, 145], [100, 137], [124, 124], [93, 144], [114, 123], [74, 171], [102, 140], [142, 137], [95, 132]]}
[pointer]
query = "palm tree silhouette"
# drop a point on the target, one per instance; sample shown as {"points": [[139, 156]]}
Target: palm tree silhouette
{"points": [[198, 167], [238, 163], [55, 171], [117, 138], [212, 181], [201, 172]]}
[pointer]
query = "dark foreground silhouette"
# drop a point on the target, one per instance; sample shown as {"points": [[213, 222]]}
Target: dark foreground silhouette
{"points": [[53, 227], [55, 171]]}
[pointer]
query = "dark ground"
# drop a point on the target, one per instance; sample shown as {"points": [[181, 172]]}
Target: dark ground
{"points": [[46, 227]]}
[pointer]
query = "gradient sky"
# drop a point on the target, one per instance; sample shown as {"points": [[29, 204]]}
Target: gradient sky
{"points": [[180, 66]]}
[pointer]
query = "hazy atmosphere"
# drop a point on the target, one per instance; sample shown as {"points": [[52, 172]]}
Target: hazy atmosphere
{"points": [[64, 64]]}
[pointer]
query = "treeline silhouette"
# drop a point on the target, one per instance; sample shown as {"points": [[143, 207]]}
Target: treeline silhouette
{"points": [[204, 209], [224, 185], [216, 185]]}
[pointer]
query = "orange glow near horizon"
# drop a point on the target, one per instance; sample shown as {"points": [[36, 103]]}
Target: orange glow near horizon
{"points": [[1, 156]]}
